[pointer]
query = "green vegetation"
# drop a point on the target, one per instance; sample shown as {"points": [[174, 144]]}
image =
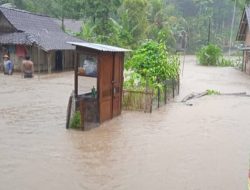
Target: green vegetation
{"points": [[149, 76], [150, 66], [226, 63], [212, 55], [128, 23], [209, 55], [212, 92], [75, 121]]}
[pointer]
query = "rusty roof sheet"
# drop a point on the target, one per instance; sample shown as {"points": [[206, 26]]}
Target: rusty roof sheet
{"points": [[99, 47]]}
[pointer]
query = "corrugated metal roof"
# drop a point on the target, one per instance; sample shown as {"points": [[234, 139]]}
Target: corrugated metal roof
{"points": [[99, 47]]}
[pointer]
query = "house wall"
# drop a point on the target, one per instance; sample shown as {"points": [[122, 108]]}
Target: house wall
{"points": [[246, 66], [68, 59], [45, 60], [247, 41], [15, 57], [48, 60], [39, 58]]}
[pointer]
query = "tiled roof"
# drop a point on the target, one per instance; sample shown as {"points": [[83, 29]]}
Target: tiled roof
{"points": [[16, 38], [41, 29]]}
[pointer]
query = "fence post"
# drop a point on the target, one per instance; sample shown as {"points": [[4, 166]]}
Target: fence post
{"points": [[69, 111], [173, 86], [165, 93], [178, 84], [151, 101], [158, 89]]}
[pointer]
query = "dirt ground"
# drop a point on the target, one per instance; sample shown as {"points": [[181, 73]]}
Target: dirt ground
{"points": [[201, 147]]}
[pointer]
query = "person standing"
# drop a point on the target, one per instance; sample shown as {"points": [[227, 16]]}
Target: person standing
{"points": [[7, 65], [27, 67]]}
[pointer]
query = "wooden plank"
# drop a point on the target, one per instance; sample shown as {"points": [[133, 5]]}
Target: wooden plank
{"points": [[76, 62], [117, 84], [82, 111], [68, 112], [138, 92], [105, 86]]}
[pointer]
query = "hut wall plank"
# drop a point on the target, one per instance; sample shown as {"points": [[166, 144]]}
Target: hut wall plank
{"points": [[68, 60], [247, 41], [247, 58]]}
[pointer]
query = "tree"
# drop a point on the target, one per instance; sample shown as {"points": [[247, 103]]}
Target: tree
{"points": [[130, 22], [100, 15], [164, 23], [3, 2], [153, 64], [133, 17], [241, 3]]}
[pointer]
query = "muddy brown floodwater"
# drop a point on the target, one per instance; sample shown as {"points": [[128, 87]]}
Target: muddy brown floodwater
{"points": [[201, 147]]}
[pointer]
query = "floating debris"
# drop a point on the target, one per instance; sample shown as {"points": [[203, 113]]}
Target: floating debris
{"points": [[211, 92]]}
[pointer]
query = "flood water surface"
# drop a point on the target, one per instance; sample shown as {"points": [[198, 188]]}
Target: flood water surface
{"points": [[201, 147]]}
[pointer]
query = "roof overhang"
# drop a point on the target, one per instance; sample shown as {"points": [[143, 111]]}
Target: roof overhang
{"points": [[246, 48], [99, 47], [15, 38], [244, 23]]}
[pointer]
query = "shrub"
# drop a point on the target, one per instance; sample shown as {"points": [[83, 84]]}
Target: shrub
{"points": [[212, 92], [209, 55], [225, 63], [150, 65], [75, 121]]}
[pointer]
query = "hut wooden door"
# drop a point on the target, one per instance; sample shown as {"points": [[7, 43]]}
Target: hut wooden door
{"points": [[117, 84], [110, 86]]}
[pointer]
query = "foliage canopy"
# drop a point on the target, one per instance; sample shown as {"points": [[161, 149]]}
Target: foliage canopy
{"points": [[151, 65], [128, 23], [212, 55]]}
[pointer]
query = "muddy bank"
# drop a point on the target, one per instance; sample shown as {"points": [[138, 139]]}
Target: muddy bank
{"points": [[178, 147]]}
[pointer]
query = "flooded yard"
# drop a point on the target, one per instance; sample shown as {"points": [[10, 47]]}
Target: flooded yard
{"points": [[201, 147]]}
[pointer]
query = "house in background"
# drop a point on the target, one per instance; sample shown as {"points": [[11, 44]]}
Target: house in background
{"points": [[243, 36], [71, 26], [23, 33]]}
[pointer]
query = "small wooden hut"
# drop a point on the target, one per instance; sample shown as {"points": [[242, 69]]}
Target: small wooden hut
{"points": [[243, 36], [106, 64]]}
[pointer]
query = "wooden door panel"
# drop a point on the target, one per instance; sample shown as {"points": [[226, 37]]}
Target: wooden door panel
{"points": [[106, 111], [110, 85], [105, 86], [117, 84]]}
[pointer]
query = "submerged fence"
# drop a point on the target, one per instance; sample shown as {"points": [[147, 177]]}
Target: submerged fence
{"points": [[139, 100]]}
